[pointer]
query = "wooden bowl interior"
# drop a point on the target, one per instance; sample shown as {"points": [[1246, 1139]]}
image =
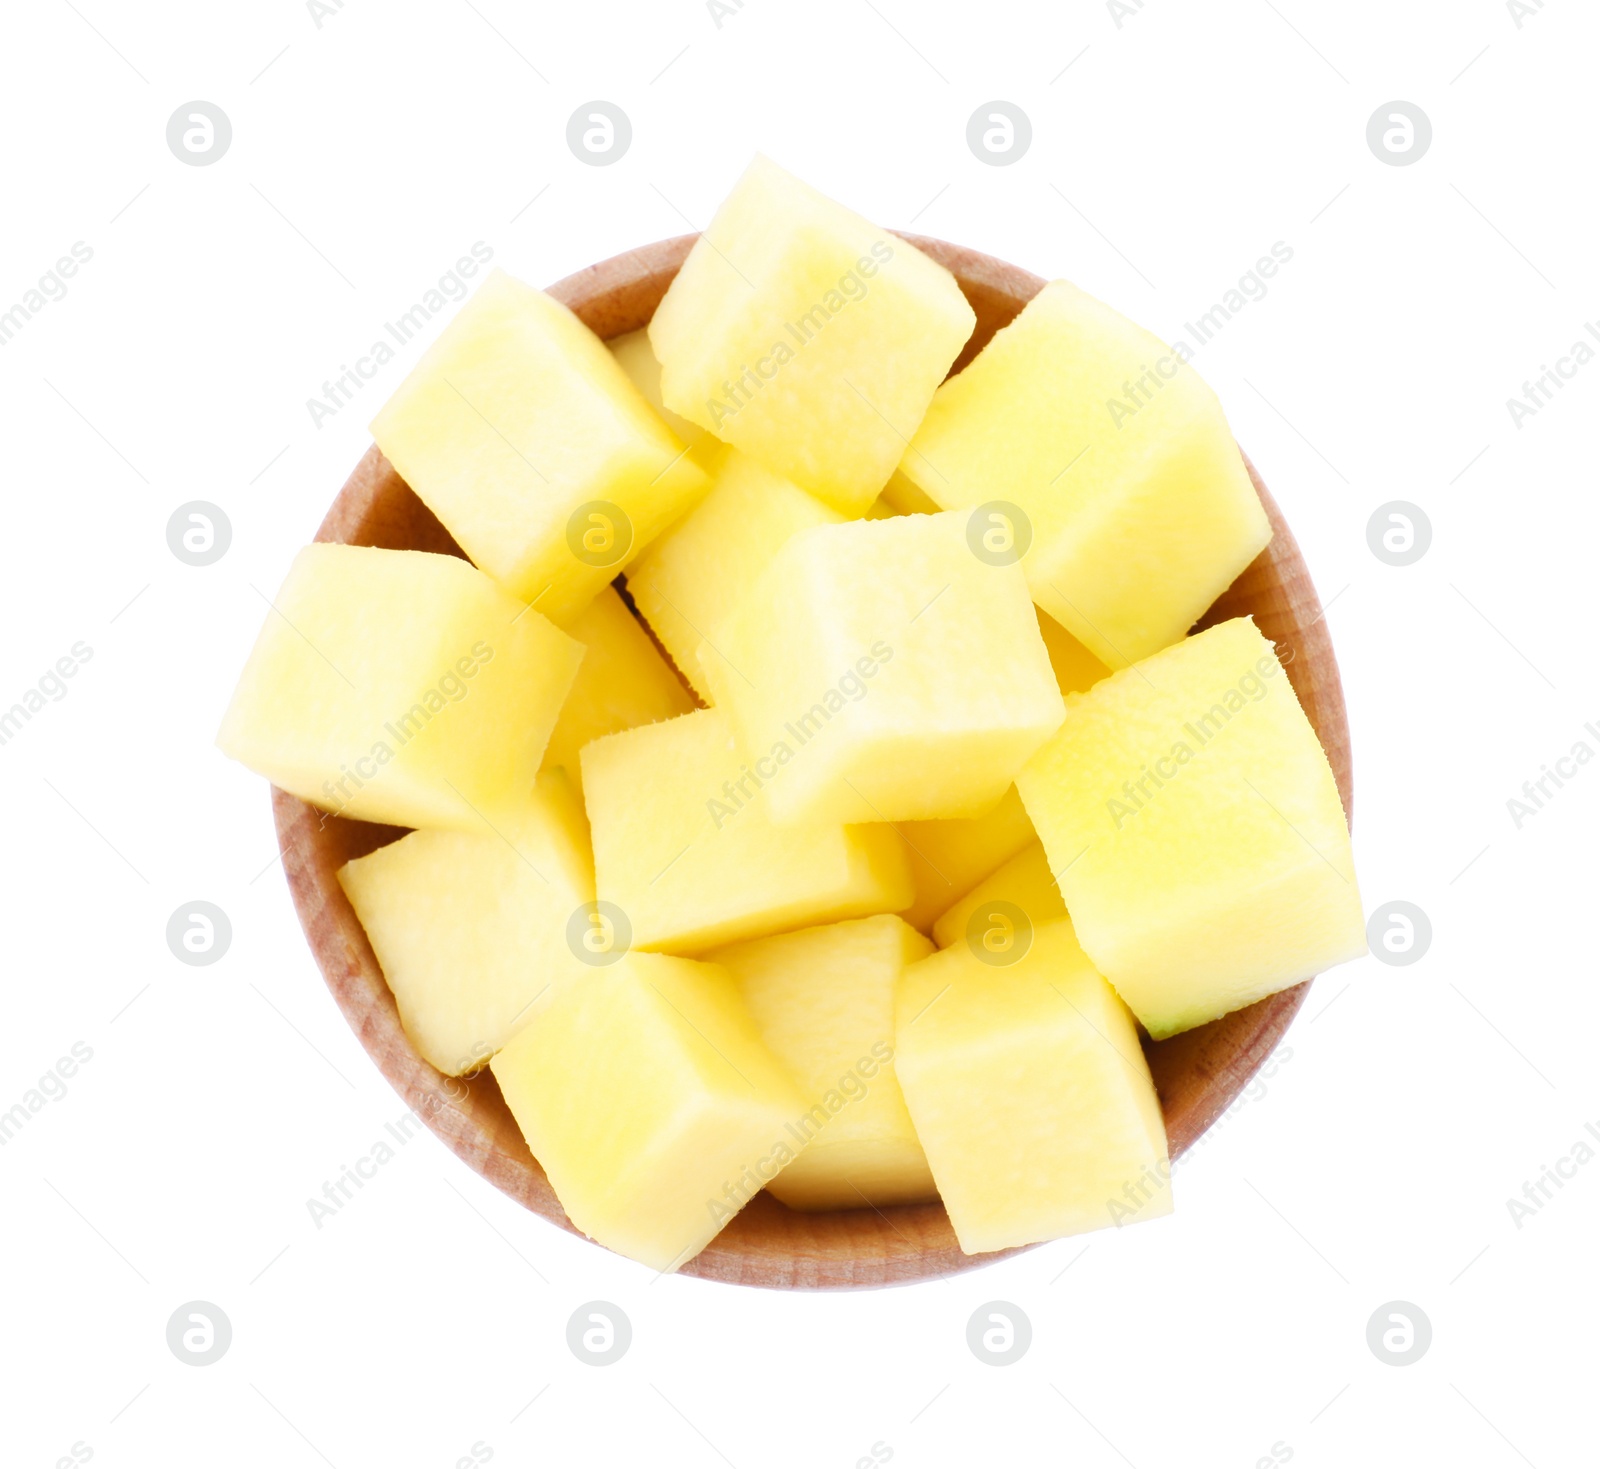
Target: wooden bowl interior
{"points": [[1197, 1074]]}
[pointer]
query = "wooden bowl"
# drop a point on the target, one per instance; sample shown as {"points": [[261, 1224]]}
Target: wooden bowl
{"points": [[1197, 1074]]}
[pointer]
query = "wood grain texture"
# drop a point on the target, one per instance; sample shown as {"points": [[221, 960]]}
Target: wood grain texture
{"points": [[1198, 1074]]}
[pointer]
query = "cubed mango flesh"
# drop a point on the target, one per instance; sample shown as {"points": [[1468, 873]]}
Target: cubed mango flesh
{"points": [[1137, 508], [806, 337], [685, 847], [522, 434], [1024, 885], [823, 1001], [894, 674], [622, 682], [1194, 826], [691, 578], [652, 1105], [1030, 1094], [400, 686], [471, 929]]}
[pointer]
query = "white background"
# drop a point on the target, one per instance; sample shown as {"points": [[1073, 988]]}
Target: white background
{"points": [[1168, 154]]}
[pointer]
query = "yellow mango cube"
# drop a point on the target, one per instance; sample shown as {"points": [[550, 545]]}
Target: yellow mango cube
{"points": [[1030, 1094], [904, 496], [522, 434], [652, 1105], [886, 673], [1023, 885], [685, 847], [622, 682], [1195, 829], [637, 358], [399, 686], [1076, 669], [1138, 509], [823, 1001], [806, 337], [949, 857], [690, 579], [471, 929]]}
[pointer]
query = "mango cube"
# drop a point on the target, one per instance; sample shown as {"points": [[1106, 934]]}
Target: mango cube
{"points": [[637, 358], [399, 686], [622, 682], [685, 847], [522, 434], [689, 580], [903, 495], [1195, 829], [1077, 669], [1139, 510], [807, 337], [949, 857], [471, 929], [652, 1105], [1024, 884], [1030, 1094], [823, 1001], [886, 673]]}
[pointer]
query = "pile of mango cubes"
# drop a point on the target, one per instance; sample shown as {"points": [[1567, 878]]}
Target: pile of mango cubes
{"points": [[813, 783]]}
